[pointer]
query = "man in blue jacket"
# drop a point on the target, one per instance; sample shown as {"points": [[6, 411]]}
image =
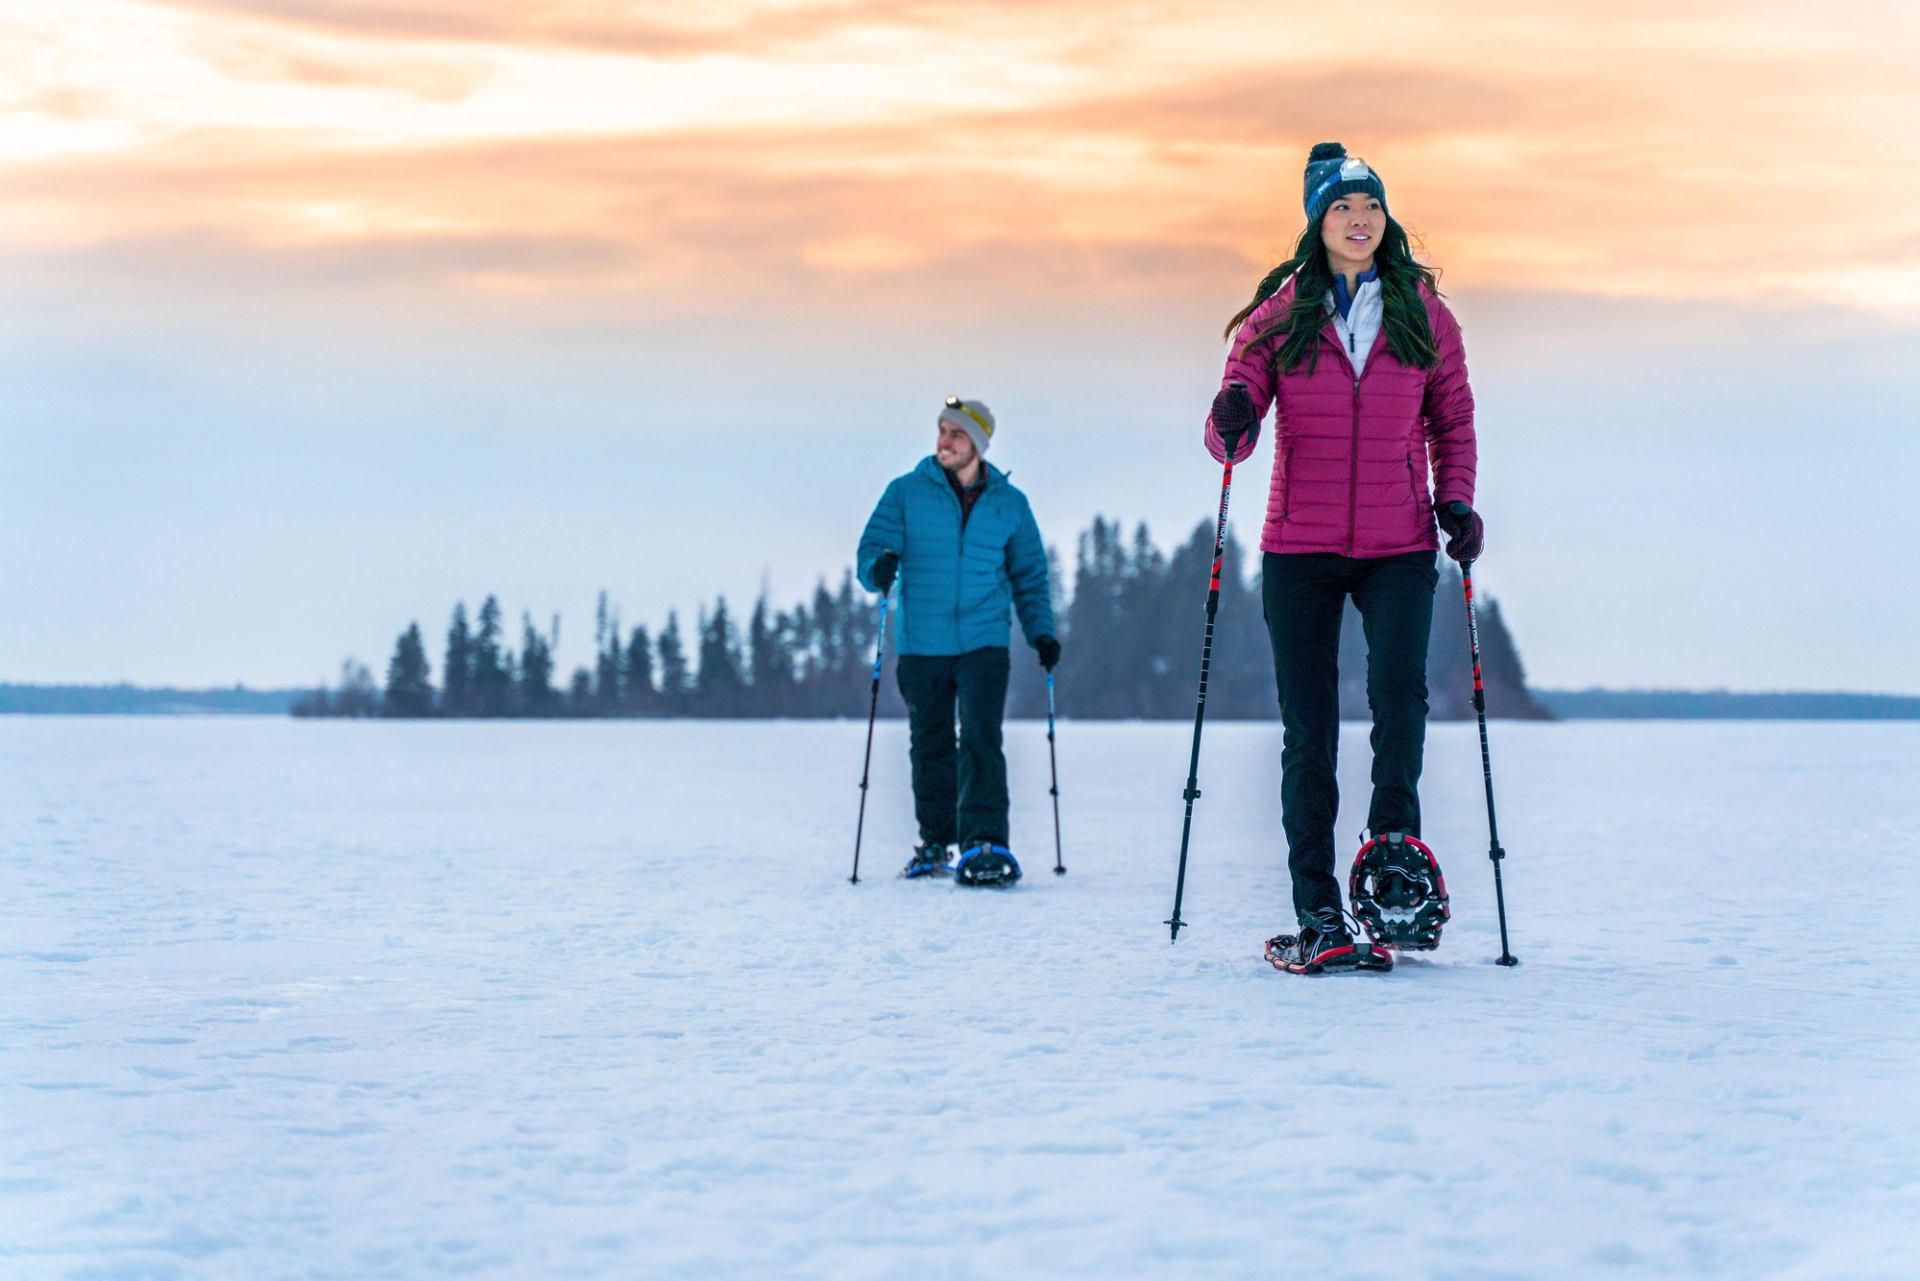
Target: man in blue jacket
{"points": [[963, 543]]}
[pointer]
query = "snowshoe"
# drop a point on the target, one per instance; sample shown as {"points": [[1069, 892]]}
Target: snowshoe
{"points": [[1398, 893], [1326, 945], [929, 859], [986, 864]]}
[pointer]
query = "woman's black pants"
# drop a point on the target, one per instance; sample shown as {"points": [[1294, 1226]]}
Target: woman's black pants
{"points": [[1304, 595]]}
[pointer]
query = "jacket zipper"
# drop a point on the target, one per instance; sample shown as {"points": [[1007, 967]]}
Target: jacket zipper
{"points": [[960, 552], [1353, 475], [960, 558]]}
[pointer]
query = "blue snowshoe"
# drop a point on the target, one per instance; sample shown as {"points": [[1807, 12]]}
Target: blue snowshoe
{"points": [[986, 865], [929, 859]]}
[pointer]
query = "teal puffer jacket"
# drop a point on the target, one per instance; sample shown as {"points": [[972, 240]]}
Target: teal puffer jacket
{"points": [[955, 585]]}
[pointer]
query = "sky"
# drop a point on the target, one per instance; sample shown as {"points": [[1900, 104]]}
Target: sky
{"points": [[317, 317]]}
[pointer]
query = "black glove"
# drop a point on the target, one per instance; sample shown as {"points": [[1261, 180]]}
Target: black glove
{"points": [[1233, 415], [1049, 651], [1466, 533], [884, 569]]}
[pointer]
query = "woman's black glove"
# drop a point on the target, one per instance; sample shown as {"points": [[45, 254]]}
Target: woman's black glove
{"points": [[1049, 650], [1233, 415], [884, 568], [1466, 534]]}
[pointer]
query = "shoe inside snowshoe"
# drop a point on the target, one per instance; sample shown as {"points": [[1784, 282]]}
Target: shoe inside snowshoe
{"points": [[930, 858], [1330, 945], [986, 865], [1399, 895]]}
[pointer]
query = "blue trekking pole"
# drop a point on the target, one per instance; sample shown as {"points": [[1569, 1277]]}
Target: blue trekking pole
{"points": [[873, 706], [1059, 868]]}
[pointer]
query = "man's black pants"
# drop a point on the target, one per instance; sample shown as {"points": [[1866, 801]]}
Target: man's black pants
{"points": [[1304, 596], [959, 788]]}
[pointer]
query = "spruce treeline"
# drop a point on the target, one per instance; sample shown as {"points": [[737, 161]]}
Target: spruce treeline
{"points": [[1131, 629]]}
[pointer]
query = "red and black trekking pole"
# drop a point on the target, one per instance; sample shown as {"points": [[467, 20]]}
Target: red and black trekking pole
{"points": [[1206, 663], [1494, 851], [1053, 766], [866, 765]]}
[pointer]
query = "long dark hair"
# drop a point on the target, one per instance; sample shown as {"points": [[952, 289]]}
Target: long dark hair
{"points": [[1409, 336]]}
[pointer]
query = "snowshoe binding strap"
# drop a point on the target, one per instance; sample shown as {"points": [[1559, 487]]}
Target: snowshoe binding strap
{"points": [[986, 865], [1332, 947], [928, 860], [1399, 895]]}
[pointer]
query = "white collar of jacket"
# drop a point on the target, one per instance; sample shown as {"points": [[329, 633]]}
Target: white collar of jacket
{"points": [[1361, 325]]}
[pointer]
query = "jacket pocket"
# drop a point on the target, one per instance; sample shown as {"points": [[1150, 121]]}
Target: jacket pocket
{"points": [[1285, 448], [1420, 498]]}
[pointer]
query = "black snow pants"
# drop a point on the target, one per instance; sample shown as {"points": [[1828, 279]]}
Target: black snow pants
{"points": [[959, 787], [1304, 595]]}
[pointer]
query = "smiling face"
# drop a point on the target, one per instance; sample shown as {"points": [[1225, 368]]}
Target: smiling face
{"points": [[955, 448], [1351, 232]]}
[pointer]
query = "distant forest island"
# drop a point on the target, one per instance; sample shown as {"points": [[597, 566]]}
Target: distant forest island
{"points": [[1131, 631]]}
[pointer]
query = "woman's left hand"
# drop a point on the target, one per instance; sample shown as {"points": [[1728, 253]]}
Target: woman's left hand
{"points": [[1466, 532]]}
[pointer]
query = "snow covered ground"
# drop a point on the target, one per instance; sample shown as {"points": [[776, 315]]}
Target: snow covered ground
{"points": [[596, 1000]]}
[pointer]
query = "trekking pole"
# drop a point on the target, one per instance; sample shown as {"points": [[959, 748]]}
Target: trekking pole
{"points": [[873, 706], [1494, 851], [1059, 868], [1206, 662]]}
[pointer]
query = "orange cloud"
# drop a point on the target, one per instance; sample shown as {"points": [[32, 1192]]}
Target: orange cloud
{"points": [[433, 80], [1629, 150]]}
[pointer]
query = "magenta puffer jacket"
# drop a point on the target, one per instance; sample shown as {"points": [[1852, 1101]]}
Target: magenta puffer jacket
{"points": [[1352, 455]]}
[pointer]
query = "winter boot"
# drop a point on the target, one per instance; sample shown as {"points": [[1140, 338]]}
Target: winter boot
{"points": [[1326, 944], [987, 864], [929, 859], [1398, 893]]}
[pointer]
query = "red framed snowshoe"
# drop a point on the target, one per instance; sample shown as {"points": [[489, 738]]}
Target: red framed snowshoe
{"points": [[1398, 893]]}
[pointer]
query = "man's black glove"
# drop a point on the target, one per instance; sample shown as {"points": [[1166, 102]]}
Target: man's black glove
{"points": [[1049, 650], [1233, 415], [1466, 534], [884, 569]]}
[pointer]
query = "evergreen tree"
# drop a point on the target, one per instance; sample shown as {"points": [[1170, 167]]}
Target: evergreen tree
{"points": [[358, 695], [536, 692], [456, 698], [1094, 622], [769, 663], [606, 699], [636, 677], [797, 629], [852, 648], [676, 680], [721, 689], [582, 699], [492, 675], [824, 639], [409, 679], [1501, 670]]}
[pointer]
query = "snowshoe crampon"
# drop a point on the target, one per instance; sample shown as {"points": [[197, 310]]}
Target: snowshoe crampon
{"points": [[1398, 893], [986, 866]]}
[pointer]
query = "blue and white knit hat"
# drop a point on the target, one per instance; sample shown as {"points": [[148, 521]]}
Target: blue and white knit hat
{"points": [[1331, 173]]}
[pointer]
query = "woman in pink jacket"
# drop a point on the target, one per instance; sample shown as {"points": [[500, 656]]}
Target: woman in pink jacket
{"points": [[1373, 438]]}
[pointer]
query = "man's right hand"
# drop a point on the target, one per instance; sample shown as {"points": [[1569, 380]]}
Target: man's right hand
{"points": [[884, 569], [1233, 415]]}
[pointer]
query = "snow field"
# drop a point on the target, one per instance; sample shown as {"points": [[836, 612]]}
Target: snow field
{"points": [[596, 1000]]}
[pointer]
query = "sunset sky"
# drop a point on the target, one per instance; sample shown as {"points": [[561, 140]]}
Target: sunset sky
{"points": [[318, 315]]}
